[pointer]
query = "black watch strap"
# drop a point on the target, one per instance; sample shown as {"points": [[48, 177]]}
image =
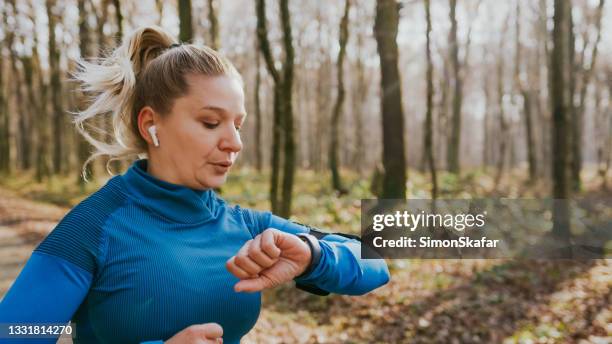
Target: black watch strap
{"points": [[315, 249]]}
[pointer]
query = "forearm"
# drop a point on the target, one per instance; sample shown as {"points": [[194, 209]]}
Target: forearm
{"points": [[341, 269]]}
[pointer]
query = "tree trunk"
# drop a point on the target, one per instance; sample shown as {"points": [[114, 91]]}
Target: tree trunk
{"points": [[358, 107], [394, 161], [290, 147], [503, 125], [214, 24], [558, 72], [258, 143], [283, 110], [4, 114], [572, 110], [82, 144], [186, 29], [119, 19], [25, 118], [455, 132], [337, 112], [428, 142], [522, 90], [486, 149], [578, 113], [56, 94], [41, 123]]}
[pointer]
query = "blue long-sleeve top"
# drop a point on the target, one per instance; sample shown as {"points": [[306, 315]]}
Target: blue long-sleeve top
{"points": [[142, 259]]}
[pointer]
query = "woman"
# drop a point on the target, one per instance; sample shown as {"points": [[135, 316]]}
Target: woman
{"points": [[155, 254]]}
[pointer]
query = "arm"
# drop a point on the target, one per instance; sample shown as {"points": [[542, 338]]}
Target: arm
{"points": [[340, 268], [48, 291]]}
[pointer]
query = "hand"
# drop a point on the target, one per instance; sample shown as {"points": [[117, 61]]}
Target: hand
{"points": [[270, 259], [209, 333]]}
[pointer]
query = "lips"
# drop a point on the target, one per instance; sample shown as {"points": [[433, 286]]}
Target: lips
{"points": [[222, 163]]}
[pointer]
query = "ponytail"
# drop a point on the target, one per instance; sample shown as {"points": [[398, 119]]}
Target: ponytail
{"points": [[111, 83], [147, 69]]}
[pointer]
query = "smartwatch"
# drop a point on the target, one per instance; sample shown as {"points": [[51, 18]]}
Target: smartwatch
{"points": [[315, 250]]}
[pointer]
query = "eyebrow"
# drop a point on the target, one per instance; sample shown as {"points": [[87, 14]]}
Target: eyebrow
{"points": [[221, 111]]}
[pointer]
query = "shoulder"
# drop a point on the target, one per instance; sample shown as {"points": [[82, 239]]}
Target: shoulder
{"points": [[78, 237]]}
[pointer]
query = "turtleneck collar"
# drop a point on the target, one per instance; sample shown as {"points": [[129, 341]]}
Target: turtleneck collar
{"points": [[174, 202]]}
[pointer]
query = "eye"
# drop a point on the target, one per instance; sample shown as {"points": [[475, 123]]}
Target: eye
{"points": [[211, 125]]}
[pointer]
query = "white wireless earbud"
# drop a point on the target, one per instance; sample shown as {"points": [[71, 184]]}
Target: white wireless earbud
{"points": [[153, 131]]}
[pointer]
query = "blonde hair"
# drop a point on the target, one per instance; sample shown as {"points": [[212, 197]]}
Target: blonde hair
{"points": [[147, 69]]}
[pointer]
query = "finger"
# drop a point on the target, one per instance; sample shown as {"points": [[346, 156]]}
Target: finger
{"points": [[259, 256], [210, 330], [243, 261], [231, 266], [268, 244], [252, 285], [210, 341]]}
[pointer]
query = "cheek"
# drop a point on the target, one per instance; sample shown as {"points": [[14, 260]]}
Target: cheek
{"points": [[199, 141]]}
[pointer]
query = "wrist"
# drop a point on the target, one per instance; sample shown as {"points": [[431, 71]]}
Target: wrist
{"points": [[315, 253]]}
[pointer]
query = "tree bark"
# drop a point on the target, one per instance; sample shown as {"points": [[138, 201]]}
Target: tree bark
{"points": [[258, 143], [394, 161], [454, 141], [4, 113], [578, 112], [428, 141], [82, 144], [337, 111], [214, 24], [283, 109], [558, 85], [503, 124], [361, 93], [186, 28], [56, 94], [526, 95], [119, 19]]}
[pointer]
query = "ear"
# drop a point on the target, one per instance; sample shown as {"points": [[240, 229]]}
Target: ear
{"points": [[146, 118]]}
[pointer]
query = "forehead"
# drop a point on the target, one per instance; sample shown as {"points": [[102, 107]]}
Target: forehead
{"points": [[223, 92]]}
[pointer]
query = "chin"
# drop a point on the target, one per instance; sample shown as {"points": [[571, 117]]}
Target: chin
{"points": [[212, 182]]}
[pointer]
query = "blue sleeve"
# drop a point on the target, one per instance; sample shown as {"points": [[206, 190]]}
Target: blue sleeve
{"points": [[57, 277], [340, 269], [48, 290]]}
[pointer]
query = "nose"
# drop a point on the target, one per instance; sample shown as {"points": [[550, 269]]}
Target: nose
{"points": [[231, 142]]}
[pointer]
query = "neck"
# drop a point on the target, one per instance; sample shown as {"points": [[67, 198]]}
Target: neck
{"points": [[155, 167]]}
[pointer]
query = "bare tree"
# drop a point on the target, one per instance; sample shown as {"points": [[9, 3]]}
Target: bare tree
{"points": [[337, 111], [526, 95], [4, 113], [394, 161], [360, 95], [257, 112], [428, 150], [118, 18], [214, 24], [503, 124], [283, 109], [84, 46], [577, 111], [56, 93], [558, 91], [186, 28]]}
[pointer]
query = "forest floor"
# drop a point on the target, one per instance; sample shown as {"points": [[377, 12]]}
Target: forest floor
{"points": [[426, 301]]}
